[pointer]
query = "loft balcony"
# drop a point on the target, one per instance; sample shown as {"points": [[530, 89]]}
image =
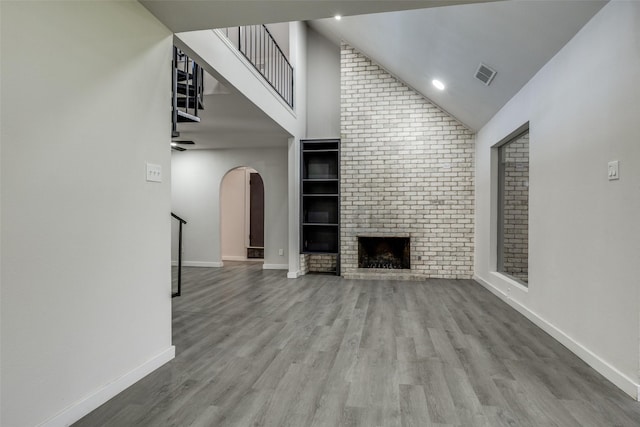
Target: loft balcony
{"points": [[261, 49], [252, 62]]}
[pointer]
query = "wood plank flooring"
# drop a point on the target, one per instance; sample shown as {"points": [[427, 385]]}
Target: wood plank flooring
{"points": [[256, 349]]}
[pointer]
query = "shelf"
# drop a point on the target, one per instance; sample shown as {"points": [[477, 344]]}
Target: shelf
{"points": [[320, 210], [319, 145], [320, 188], [320, 197], [321, 243], [320, 164]]}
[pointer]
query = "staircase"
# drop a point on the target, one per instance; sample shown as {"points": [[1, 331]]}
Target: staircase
{"points": [[188, 94]]}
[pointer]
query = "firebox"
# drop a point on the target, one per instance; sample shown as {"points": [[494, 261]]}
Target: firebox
{"points": [[384, 252]]}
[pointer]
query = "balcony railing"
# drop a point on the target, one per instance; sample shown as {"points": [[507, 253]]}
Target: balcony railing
{"points": [[257, 44]]}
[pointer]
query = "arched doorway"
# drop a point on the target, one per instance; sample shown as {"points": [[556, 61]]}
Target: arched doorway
{"points": [[242, 215]]}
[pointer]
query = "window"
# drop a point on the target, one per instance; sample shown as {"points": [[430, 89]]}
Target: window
{"points": [[513, 209]]}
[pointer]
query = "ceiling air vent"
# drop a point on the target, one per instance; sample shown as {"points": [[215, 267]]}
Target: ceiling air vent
{"points": [[485, 74]]}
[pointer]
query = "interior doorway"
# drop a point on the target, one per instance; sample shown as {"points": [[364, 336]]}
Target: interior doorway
{"points": [[256, 216], [242, 215]]}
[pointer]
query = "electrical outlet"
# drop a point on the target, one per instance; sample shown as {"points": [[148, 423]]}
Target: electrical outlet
{"points": [[281, 252]]}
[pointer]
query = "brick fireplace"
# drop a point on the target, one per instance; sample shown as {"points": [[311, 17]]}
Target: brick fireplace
{"points": [[384, 252], [406, 172]]}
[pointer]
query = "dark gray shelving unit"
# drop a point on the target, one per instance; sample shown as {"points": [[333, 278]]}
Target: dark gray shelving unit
{"points": [[320, 198]]}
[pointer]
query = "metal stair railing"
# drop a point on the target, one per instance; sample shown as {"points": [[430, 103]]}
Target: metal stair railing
{"points": [[187, 89], [257, 44], [180, 223]]}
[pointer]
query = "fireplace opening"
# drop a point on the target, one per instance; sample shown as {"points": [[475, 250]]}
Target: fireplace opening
{"points": [[384, 252]]}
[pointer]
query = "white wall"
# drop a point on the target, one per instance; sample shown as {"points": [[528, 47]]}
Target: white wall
{"points": [[583, 108], [233, 221], [298, 49], [86, 306], [196, 179], [280, 33], [323, 90], [175, 235]]}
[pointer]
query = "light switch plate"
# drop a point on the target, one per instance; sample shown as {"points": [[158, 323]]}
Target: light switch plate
{"points": [[154, 173], [614, 170]]}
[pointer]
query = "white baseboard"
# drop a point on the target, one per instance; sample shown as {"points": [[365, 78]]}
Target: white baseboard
{"points": [[234, 258], [293, 274], [275, 266], [202, 264], [618, 378], [81, 408]]}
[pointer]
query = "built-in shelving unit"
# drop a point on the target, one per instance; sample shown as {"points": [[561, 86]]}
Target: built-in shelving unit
{"points": [[320, 193]]}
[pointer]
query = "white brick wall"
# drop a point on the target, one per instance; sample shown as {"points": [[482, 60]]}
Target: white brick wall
{"points": [[321, 263], [407, 168], [304, 264], [516, 208], [317, 263]]}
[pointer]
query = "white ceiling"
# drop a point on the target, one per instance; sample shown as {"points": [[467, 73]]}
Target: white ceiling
{"points": [[448, 42], [191, 15], [516, 38], [229, 120]]}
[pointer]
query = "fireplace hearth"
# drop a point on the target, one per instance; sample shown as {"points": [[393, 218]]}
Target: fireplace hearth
{"points": [[384, 252]]}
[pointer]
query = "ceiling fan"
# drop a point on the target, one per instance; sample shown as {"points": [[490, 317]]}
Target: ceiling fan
{"points": [[175, 145]]}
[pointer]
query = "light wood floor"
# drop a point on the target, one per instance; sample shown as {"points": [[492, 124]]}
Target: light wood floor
{"points": [[256, 349]]}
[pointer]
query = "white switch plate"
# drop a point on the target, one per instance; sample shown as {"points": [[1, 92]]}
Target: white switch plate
{"points": [[614, 170], [281, 252], [154, 173]]}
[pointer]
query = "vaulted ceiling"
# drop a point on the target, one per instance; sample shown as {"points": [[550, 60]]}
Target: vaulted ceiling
{"points": [[516, 38], [416, 40]]}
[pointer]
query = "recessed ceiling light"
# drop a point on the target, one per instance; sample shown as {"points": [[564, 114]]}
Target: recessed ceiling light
{"points": [[338, 17], [438, 84]]}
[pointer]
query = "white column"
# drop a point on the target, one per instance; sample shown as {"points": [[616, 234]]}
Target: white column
{"points": [[294, 207]]}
